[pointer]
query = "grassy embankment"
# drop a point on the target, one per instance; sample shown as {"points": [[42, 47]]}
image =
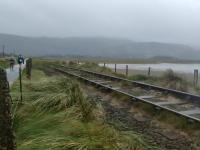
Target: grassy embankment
{"points": [[3, 63], [57, 115]]}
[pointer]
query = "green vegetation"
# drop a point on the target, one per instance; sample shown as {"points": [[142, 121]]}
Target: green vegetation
{"points": [[95, 67], [169, 80], [173, 81], [56, 114], [4, 63]]}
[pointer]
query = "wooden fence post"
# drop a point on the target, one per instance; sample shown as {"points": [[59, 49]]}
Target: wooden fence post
{"points": [[126, 70], [104, 64], [195, 77], [28, 68], [149, 71], [115, 68], [6, 130]]}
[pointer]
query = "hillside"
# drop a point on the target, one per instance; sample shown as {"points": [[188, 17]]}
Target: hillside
{"points": [[96, 47]]}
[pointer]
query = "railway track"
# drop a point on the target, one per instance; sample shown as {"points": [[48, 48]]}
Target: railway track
{"points": [[180, 103]]}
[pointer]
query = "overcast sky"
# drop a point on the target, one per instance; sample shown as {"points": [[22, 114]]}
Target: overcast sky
{"points": [[176, 21]]}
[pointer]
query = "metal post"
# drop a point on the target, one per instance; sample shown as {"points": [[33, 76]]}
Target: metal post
{"points": [[20, 81], [115, 68], [149, 71], [195, 77], [126, 70]]}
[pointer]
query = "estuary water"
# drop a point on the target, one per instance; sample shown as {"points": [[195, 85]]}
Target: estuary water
{"points": [[179, 68]]}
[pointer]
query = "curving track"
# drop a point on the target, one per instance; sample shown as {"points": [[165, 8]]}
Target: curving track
{"points": [[183, 104]]}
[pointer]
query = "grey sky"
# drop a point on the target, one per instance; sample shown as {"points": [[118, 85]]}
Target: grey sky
{"points": [[175, 21]]}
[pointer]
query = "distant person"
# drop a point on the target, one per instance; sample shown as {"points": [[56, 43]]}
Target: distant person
{"points": [[20, 59], [12, 63]]}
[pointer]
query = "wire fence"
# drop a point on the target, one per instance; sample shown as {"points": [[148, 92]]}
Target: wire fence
{"points": [[188, 72]]}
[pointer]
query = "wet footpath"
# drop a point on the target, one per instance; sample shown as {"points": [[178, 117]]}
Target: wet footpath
{"points": [[12, 75]]}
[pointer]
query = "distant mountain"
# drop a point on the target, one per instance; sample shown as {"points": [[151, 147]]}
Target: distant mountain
{"points": [[96, 47]]}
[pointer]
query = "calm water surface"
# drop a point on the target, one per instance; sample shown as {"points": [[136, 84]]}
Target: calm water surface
{"points": [[180, 68]]}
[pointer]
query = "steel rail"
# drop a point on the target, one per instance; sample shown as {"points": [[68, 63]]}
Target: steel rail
{"points": [[135, 98], [180, 94]]}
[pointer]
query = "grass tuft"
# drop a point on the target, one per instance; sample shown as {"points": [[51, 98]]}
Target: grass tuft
{"points": [[4, 63]]}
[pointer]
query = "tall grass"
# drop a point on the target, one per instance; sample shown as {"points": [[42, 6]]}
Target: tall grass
{"points": [[95, 67], [169, 79], [64, 94], [4, 63], [172, 80], [57, 115]]}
